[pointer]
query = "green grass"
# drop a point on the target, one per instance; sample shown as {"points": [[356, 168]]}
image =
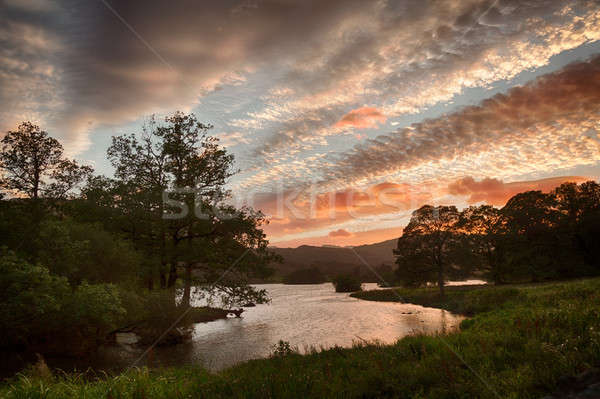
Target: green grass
{"points": [[467, 300], [521, 340]]}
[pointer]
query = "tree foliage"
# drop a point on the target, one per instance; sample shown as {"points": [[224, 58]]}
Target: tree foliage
{"points": [[430, 247], [83, 251], [346, 283], [536, 236], [34, 166]]}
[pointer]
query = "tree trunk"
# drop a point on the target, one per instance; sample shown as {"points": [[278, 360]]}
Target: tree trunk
{"points": [[187, 290], [441, 282], [36, 181], [172, 274], [163, 280]]}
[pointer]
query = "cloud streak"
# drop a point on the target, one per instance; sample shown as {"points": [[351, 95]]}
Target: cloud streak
{"points": [[361, 118], [541, 125], [496, 192], [405, 59]]}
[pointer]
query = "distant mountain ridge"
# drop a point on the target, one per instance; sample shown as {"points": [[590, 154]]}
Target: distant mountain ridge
{"points": [[333, 260]]}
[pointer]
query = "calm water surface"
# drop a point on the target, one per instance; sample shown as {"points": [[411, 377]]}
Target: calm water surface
{"points": [[304, 315]]}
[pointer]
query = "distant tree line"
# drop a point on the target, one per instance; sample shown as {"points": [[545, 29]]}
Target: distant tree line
{"points": [[536, 236], [82, 253], [363, 274], [309, 275]]}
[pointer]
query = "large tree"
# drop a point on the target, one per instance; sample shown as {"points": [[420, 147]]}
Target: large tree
{"points": [[430, 248], [482, 228], [580, 206], [534, 251], [33, 164], [177, 174]]}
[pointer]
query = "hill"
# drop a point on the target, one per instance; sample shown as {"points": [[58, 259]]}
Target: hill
{"points": [[332, 261]]}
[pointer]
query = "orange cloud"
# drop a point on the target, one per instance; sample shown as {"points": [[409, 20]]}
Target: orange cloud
{"points": [[340, 233], [496, 192], [293, 212], [362, 118], [357, 238]]}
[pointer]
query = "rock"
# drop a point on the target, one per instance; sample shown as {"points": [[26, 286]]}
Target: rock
{"points": [[249, 305], [237, 313], [127, 338]]}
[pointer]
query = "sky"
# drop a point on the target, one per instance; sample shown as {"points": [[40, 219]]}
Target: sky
{"points": [[343, 116]]}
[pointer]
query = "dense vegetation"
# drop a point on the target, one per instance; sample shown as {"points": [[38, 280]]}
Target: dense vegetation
{"points": [[554, 333], [535, 237], [334, 260], [346, 283], [310, 275], [82, 255]]}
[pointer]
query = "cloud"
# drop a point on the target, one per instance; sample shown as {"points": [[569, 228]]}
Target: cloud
{"points": [[496, 192], [541, 126], [231, 139], [339, 233], [30, 81], [326, 57], [368, 236], [361, 118], [406, 58], [109, 76], [303, 211]]}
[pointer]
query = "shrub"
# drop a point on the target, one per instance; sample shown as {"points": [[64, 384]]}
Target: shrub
{"points": [[30, 299], [42, 312], [283, 348], [347, 284]]}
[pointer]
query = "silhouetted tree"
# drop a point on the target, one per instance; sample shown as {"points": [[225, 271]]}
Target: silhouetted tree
{"points": [[428, 248], [530, 241], [33, 164], [178, 161], [482, 226], [580, 207]]}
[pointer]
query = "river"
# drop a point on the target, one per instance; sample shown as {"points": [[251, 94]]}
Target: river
{"points": [[306, 316]]}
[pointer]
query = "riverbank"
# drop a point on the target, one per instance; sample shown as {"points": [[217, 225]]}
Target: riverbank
{"points": [[521, 343], [64, 350], [152, 331], [467, 300]]}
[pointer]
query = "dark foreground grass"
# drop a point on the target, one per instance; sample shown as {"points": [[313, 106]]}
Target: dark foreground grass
{"points": [[520, 342]]}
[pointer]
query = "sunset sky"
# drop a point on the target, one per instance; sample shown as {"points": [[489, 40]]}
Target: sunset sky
{"points": [[343, 116]]}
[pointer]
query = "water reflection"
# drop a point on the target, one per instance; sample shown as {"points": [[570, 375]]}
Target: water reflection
{"points": [[305, 315]]}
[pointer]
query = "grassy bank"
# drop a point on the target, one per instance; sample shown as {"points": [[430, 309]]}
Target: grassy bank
{"points": [[466, 299], [521, 340]]}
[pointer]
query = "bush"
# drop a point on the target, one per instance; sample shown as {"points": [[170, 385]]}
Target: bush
{"points": [[347, 284], [283, 348], [93, 309], [42, 312], [30, 299]]}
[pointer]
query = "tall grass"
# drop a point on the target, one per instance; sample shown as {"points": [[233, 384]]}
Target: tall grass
{"points": [[521, 340]]}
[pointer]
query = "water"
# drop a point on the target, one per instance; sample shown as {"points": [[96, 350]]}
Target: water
{"points": [[304, 315]]}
